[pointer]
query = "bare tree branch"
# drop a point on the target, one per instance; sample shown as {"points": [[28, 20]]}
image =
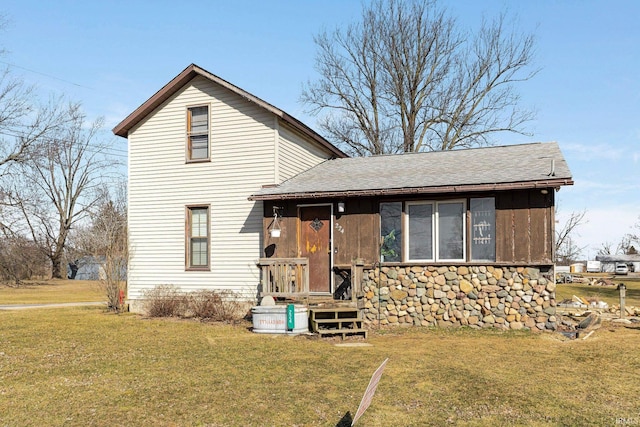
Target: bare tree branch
{"points": [[60, 184], [105, 238], [565, 248], [407, 78], [634, 236], [606, 249], [23, 122]]}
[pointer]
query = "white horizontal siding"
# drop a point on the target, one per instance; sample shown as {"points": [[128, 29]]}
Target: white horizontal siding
{"points": [[161, 184], [296, 154]]}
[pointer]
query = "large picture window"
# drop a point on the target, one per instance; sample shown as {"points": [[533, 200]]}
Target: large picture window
{"points": [[435, 225], [438, 231], [198, 133], [198, 237]]}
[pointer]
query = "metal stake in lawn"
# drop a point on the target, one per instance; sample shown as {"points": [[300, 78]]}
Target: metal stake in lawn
{"points": [[369, 392], [622, 288]]}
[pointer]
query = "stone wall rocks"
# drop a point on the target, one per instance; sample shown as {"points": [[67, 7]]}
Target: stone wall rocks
{"points": [[473, 296]]}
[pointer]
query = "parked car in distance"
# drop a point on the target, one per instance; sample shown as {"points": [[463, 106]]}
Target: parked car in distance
{"points": [[622, 268]]}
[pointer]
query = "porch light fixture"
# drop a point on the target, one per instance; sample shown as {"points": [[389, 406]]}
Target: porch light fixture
{"points": [[275, 226], [341, 207], [544, 191]]}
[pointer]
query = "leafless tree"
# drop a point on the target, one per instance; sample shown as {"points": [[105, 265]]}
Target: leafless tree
{"points": [[112, 225], [60, 184], [634, 236], [408, 78], [626, 247], [105, 238], [20, 259], [606, 249], [566, 250], [23, 121], [24, 124]]}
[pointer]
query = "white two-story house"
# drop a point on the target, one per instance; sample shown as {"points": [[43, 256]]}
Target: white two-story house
{"points": [[197, 150]]}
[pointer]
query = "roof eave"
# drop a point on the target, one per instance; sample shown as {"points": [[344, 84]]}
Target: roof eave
{"points": [[468, 188], [297, 124], [122, 128]]}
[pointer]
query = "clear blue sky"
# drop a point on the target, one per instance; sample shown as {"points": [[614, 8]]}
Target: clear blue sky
{"points": [[113, 55]]}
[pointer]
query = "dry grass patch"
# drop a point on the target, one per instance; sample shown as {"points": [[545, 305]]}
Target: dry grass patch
{"points": [[52, 291], [81, 366], [609, 294]]}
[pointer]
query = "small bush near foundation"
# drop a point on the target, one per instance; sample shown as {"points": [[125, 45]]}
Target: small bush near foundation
{"points": [[170, 301], [220, 306], [165, 301]]}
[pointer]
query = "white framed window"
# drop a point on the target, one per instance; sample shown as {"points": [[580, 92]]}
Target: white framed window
{"points": [[198, 238], [450, 230], [420, 231], [198, 133], [435, 231]]}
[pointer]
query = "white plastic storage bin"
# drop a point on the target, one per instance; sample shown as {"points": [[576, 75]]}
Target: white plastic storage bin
{"points": [[273, 320]]}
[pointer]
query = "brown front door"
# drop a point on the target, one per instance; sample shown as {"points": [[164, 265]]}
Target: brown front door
{"points": [[315, 244]]}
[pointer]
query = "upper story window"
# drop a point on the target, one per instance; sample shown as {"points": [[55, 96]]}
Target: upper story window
{"points": [[198, 133]]}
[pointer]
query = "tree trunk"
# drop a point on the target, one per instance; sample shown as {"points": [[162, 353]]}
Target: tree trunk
{"points": [[57, 269]]}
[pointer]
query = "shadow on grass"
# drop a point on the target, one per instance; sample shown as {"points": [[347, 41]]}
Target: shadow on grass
{"points": [[345, 421]]}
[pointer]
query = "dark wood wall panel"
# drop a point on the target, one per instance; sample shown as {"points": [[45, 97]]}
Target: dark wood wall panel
{"points": [[524, 227], [541, 226], [504, 229], [504, 234], [345, 236], [284, 246], [370, 248], [521, 235], [355, 231]]}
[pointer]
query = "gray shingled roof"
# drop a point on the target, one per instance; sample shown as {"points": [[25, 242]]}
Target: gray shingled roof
{"points": [[479, 169]]}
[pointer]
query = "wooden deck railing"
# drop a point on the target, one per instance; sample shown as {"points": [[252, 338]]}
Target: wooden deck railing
{"points": [[284, 277]]}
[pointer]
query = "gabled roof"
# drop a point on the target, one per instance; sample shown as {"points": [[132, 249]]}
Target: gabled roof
{"points": [[536, 165], [192, 71]]}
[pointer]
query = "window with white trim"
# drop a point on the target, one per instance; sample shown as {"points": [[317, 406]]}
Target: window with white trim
{"points": [[198, 237], [420, 231], [435, 231], [450, 230], [198, 133]]}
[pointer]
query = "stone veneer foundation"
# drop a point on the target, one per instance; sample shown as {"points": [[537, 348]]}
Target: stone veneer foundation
{"points": [[476, 296]]}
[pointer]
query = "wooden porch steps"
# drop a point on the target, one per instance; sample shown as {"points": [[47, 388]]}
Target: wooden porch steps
{"points": [[336, 321]]}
